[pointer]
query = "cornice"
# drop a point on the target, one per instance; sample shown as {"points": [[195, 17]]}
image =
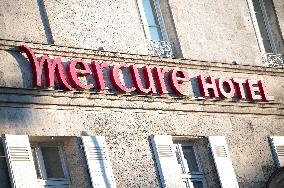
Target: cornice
{"points": [[116, 57]]}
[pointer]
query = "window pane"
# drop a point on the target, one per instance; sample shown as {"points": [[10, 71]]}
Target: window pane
{"points": [[52, 162], [190, 158], [4, 173], [36, 163], [197, 184], [186, 183], [179, 158], [155, 33], [153, 24], [256, 6], [149, 12]]}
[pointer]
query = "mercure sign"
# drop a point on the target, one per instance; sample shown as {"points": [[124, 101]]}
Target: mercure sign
{"points": [[153, 80]]}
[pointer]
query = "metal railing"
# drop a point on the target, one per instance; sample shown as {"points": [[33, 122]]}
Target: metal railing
{"points": [[160, 48], [273, 60]]}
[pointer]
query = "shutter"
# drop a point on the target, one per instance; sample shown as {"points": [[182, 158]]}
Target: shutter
{"points": [[223, 162], [98, 161], [20, 161], [164, 152], [277, 147]]}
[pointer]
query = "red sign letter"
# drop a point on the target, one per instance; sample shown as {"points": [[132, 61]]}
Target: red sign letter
{"points": [[227, 83], [240, 87], [117, 82], [209, 88], [51, 68], [73, 72], [159, 74], [178, 77], [263, 91], [149, 82], [252, 87], [98, 74]]}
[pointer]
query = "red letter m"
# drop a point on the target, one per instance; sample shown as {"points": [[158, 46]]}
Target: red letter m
{"points": [[51, 67]]}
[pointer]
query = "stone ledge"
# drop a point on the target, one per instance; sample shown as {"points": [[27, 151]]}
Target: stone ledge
{"points": [[34, 98], [72, 52]]}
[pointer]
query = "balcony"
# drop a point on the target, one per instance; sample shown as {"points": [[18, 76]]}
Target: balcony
{"points": [[160, 48], [273, 60]]}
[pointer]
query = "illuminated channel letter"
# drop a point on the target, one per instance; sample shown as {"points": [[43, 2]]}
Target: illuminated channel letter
{"points": [[51, 67], [98, 74], [178, 76], [263, 92], [114, 75], [159, 75], [239, 84], [208, 86], [73, 73], [226, 88], [149, 82], [253, 90]]}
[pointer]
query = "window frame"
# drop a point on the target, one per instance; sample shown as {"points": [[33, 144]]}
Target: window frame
{"points": [[157, 15], [258, 32], [186, 174], [43, 180]]}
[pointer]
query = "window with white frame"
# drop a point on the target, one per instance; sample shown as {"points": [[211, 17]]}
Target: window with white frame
{"points": [[264, 34], [188, 161], [50, 164], [154, 27], [261, 25]]}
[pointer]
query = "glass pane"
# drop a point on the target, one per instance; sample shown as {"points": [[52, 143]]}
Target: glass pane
{"points": [[2, 153], [190, 158], [256, 6], [155, 33], [179, 158], [186, 183], [197, 184], [4, 173], [152, 21], [267, 46], [36, 163], [262, 27], [52, 162], [149, 12]]}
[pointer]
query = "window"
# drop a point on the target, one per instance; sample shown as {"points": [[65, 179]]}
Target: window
{"points": [[189, 164], [277, 148], [262, 27], [178, 165], [154, 27], [50, 164], [266, 34], [152, 19]]}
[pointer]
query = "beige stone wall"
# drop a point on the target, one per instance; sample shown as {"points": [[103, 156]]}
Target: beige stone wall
{"points": [[112, 25], [127, 126], [128, 121], [21, 20], [219, 31]]}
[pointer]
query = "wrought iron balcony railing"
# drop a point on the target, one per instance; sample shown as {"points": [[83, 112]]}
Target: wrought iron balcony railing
{"points": [[160, 48], [273, 60]]}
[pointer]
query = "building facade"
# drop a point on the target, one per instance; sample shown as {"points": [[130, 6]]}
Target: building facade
{"points": [[141, 93]]}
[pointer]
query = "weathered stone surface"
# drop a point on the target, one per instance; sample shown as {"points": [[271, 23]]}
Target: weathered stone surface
{"points": [[220, 31], [21, 21], [216, 32]]}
